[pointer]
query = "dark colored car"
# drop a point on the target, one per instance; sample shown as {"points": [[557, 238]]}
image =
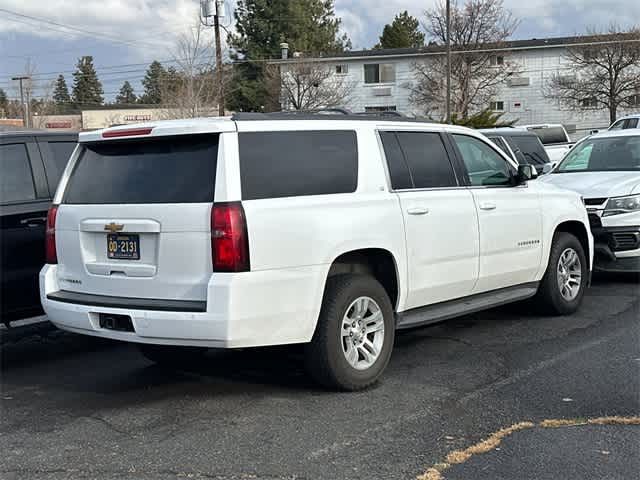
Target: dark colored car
{"points": [[523, 146], [31, 163]]}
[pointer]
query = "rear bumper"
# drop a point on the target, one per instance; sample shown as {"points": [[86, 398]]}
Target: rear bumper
{"points": [[129, 303], [249, 309]]}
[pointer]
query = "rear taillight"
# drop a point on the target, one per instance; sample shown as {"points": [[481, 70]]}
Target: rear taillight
{"points": [[229, 238], [51, 254]]}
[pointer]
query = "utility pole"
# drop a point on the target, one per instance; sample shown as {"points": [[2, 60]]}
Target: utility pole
{"points": [[208, 9], [25, 108], [448, 101], [219, 76]]}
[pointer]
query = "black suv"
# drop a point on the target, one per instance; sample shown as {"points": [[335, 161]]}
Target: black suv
{"points": [[31, 163], [523, 146]]}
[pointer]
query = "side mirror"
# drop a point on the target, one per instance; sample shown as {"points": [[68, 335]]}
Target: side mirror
{"points": [[525, 173], [593, 132]]}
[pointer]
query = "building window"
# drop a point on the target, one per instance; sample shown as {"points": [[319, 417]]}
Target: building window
{"points": [[379, 73], [634, 100], [497, 106], [385, 108], [496, 60], [342, 69], [590, 102]]}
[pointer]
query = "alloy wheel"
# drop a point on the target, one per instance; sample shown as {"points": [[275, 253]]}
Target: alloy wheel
{"points": [[362, 333]]}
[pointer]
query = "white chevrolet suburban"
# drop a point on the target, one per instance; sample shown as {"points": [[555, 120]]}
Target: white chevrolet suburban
{"points": [[271, 229]]}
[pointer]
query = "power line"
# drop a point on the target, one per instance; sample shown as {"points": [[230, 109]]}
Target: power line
{"points": [[109, 67], [82, 31]]}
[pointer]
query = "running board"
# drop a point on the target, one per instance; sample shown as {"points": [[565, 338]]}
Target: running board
{"points": [[421, 316]]}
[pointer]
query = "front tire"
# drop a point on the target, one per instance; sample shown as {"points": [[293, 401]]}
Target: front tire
{"points": [[354, 337], [565, 281]]}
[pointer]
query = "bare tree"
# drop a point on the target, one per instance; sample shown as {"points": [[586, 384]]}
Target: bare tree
{"points": [[189, 90], [479, 29], [602, 71], [306, 85]]}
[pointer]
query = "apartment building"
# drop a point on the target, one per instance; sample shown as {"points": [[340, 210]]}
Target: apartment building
{"points": [[381, 80]]}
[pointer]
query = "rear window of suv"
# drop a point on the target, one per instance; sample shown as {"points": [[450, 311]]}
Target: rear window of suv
{"points": [[550, 135], [297, 163], [179, 169]]}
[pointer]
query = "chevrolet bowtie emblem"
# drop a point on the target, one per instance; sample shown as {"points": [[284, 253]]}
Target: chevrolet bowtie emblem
{"points": [[113, 227]]}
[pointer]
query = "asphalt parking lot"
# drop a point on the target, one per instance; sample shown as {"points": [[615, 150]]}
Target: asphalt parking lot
{"points": [[76, 408]]}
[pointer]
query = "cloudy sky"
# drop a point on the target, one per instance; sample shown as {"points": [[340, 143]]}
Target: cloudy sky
{"points": [[121, 35]]}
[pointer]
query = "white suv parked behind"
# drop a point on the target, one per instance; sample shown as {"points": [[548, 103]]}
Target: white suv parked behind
{"points": [[278, 229]]}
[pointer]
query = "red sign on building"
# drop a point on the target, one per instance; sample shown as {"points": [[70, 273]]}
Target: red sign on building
{"points": [[57, 125]]}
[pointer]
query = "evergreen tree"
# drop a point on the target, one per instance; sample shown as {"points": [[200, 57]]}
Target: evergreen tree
{"points": [[61, 95], [308, 26], [153, 83], [171, 84], [126, 95], [403, 32], [87, 89]]}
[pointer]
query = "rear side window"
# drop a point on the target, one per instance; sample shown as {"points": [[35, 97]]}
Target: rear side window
{"points": [[16, 179], [398, 169], [178, 169], [290, 164], [55, 163], [425, 158]]}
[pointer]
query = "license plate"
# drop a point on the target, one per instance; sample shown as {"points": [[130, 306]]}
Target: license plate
{"points": [[123, 246]]}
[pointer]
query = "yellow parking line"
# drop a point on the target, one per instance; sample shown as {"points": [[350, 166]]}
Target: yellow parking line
{"points": [[493, 440]]}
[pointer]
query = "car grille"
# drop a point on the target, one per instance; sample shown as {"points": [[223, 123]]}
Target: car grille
{"points": [[622, 241], [594, 202]]}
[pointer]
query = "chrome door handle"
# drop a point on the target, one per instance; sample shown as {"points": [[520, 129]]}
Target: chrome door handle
{"points": [[487, 206], [417, 211]]}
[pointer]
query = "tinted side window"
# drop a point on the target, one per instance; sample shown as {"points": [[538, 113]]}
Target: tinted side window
{"points": [[289, 164], [16, 179], [55, 163], [427, 159], [632, 123], [484, 165], [500, 142], [398, 170]]}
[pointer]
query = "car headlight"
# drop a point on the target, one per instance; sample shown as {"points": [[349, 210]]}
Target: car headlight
{"points": [[616, 206]]}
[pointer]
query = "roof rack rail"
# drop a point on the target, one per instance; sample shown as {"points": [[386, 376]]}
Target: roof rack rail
{"points": [[322, 114], [386, 113]]}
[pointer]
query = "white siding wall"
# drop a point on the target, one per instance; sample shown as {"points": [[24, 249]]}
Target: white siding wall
{"points": [[537, 64]]}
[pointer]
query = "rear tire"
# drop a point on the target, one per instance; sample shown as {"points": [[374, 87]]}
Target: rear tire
{"points": [[171, 356], [354, 337], [565, 281]]}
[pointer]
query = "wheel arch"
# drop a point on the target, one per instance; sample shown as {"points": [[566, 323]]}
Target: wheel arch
{"points": [[579, 230], [377, 262]]}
